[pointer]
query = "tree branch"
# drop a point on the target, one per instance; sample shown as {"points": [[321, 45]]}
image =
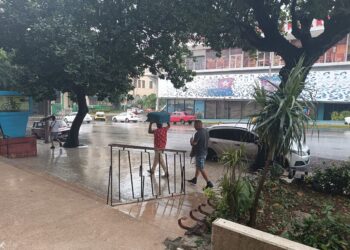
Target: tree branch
{"points": [[274, 40], [335, 29]]}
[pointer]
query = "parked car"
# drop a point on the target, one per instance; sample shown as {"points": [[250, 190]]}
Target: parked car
{"points": [[225, 136], [126, 117], [135, 110], [38, 130], [100, 116], [70, 118], [182, 117], [347, 120]]}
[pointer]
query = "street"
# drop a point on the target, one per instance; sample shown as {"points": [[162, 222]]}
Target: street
{"points": [[325, 143], [88, 165]]}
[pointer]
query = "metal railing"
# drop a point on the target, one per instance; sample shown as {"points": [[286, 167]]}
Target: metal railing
{"points": [[175, 167]]}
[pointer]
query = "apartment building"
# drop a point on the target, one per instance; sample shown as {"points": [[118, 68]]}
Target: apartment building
{"points": [[223, 86]]}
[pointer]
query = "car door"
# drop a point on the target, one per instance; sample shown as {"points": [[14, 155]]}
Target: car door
{"points": [[220, 140], [39, 129], [248, 140], [176, 117]]}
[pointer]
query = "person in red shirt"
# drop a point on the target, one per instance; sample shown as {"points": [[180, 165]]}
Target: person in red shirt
{"points": [[160, 138]]}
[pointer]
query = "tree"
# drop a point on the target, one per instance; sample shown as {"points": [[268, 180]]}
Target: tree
{"points": [[281, 122], [8, 72], [258, 24], [92, 47], [148, 102]]}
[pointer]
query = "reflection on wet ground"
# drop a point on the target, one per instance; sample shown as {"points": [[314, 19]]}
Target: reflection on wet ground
{"points": [[163, 213], [88, 167]]}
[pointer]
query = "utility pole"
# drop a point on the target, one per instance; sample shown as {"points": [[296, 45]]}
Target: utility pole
{"points": [[47, 105], [270, 54], [157, 100]]}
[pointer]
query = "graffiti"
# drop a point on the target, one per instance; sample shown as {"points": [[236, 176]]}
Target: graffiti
{"points": [[331, 86]]}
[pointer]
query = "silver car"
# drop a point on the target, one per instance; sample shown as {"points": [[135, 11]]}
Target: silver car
{"points": [[227, 136]]}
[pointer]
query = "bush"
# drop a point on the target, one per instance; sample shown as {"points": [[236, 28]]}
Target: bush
{"points": [[339, 116], [335, 180], [325, 231], [236, 191]]}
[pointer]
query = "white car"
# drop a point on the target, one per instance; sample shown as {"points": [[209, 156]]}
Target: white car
{"points": [[347, 120], [126, 117], [224, 137], [70, 118]]}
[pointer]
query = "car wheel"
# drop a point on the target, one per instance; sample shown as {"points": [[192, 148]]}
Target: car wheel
{"points": [[115, 120], [66, 120], [291, 174], [212, 156], [88, 122], [189, 122], [126, 120], [182, 121]]}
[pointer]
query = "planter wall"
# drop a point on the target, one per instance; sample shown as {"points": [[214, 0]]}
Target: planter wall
{"points": [[18, 147], [227, 235]]}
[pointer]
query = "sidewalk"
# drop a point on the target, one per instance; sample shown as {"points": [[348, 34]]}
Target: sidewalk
{"points": [[41, 212]]}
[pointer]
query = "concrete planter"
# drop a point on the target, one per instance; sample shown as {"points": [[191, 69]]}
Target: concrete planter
{"points": [[227, 235]]}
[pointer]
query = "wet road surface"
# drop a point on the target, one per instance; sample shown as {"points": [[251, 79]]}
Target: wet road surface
{"points": [[88, 167]]}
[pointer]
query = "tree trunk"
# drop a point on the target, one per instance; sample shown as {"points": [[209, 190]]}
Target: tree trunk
{"points": [[73, 137], [292, 61], [254, 208]]}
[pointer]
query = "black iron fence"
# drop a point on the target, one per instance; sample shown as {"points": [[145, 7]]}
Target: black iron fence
{"points": [[130, 163]]}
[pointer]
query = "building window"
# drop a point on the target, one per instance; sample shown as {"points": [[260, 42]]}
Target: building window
{"points": [[337, 52], [195, 63], [139, 83], [277, 60], [236, 60], [189, 106], [150, 84], [348, 50], [214, 62], [143, 83], [210, 109]]}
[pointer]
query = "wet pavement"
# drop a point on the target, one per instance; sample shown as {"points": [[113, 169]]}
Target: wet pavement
{"points": [[87, 168], [41, 212]]}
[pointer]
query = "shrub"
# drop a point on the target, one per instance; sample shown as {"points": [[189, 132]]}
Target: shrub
{"points": [[236, 192], [339, 116], [325, 231], [335, 180]]}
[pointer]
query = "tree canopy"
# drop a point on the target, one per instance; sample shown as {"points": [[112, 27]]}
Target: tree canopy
{"points": [[258, 24], [92, 47], [9, 73]]}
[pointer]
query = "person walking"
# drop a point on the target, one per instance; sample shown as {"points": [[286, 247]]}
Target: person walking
{"points": [[160, 140], [199, 149], [54, 129]]}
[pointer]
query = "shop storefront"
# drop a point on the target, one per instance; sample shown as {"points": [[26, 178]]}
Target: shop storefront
{"points": [[228, 95]]}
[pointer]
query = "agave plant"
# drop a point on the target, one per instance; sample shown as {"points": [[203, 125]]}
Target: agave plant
{"points": [[280, 122]]}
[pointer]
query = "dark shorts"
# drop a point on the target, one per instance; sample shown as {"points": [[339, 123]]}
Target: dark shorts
{"points": [[200, 161], [54, 135]]}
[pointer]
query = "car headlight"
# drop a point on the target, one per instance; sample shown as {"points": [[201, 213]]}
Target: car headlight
{"points": [[300, 153]]}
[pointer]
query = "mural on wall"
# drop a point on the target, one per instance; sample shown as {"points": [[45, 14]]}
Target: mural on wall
{"points": [[324, 85]]}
